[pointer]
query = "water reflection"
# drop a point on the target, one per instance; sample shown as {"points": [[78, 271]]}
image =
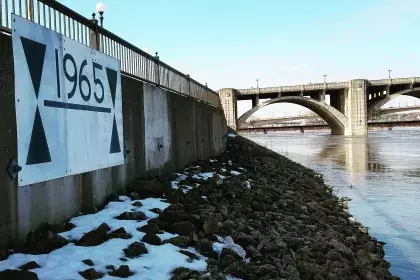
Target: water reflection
{"points": [[356, 154], [380, 173]]}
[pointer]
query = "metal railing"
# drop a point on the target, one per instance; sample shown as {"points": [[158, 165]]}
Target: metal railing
{"points": [[134, 62]]}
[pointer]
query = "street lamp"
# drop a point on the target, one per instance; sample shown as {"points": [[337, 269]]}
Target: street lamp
{"points": [[325, 78], [389, 74], [100, 8]]}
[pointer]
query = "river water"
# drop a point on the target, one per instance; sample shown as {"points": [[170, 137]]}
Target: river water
{"points": [[380, 173]]}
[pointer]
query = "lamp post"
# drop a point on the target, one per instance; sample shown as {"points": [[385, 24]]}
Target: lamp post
{"points": [[325, 78], [389, 74], [100, 8]]}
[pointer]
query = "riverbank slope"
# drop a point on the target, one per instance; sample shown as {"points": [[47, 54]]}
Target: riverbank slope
{"points": [[249, 213]]}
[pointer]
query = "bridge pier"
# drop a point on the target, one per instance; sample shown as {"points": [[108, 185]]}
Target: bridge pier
{"points": [[356, 108], [255, 100], [229, 105]]}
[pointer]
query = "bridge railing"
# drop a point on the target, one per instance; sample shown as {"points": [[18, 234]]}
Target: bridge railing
{"points": [[321, 86], [307, 87], [134, 61], [395, 81]]}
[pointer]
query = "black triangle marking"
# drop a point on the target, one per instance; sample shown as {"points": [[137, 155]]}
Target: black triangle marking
{"points": [[112, 81], [35, 55], [38, 147], [115, 140]]}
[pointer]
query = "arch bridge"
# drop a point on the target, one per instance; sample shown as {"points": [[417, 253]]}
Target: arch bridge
{"points": [[352, 103]]}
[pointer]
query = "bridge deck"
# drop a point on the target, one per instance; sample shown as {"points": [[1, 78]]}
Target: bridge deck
{"points": [[327, 86]]}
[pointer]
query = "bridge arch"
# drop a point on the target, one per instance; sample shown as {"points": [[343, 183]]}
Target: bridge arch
{"points": [[377, 104], [334, 118]]}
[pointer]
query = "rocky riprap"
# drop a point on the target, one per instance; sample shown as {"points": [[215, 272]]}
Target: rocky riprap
{"points": [[253, 213], [283, 214]]}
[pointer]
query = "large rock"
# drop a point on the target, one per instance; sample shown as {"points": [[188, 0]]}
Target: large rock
{"points": [[119, 233], [134, 216], [227, 251], [137, 204], [179, 216], [191, 256], [91, 274], [152, 239], [211, 225], [363, 257], [88, 262], [343, 249], [29, 266], [266, 269], [9, 274], [134, 196], [180, 241], [253, 253], [95, 237], [182, 228], [151, 228], [43, 240], [183, 273], [122, 272], [135, 250]]}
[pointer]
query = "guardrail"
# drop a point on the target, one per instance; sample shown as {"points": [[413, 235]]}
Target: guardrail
{"points": [[134, 61], [308, 87], [327, 86]]}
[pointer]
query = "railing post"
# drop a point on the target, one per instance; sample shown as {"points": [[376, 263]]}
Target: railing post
{"points": [[207, 94], [189, 85], [94, 34], [29, 9], [157, 72]]}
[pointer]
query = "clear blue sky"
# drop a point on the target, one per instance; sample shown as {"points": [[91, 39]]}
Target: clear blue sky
{"points": [[231, 43]]}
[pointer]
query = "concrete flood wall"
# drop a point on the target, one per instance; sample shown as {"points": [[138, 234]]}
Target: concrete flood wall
{"points": [[163, 131]]}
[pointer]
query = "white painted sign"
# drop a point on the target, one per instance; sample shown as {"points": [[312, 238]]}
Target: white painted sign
{"points": [[68, 105]]}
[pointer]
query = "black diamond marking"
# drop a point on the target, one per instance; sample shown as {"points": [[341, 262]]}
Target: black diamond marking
{"points": [[112, 81], [35, 55], [115, 140], [38, 147]]}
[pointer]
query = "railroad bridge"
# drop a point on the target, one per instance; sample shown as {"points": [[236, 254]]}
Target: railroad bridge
{"points": [[351, 103]]}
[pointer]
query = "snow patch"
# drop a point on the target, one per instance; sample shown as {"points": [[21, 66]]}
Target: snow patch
{"points": [[204, 176], [66, 262], [231, 135], [221, 176], [235, 173], [229, 277], [248, 184], [227, 242]]}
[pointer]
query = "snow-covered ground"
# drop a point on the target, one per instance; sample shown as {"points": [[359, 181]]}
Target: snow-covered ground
{"points": [[66, 262], [158, 263]]}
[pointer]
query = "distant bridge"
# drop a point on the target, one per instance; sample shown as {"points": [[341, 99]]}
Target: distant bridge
{"points": [[351, 104], [254, 122], [371, 125]]}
